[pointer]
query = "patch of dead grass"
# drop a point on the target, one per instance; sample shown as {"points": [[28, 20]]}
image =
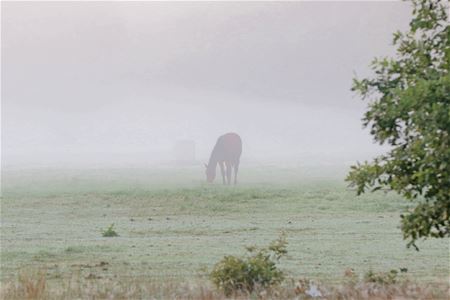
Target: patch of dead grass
{"points": [[34, 286]]}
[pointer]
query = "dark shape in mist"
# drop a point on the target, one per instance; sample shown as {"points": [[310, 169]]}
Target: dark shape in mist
{"points": [[227, 150]]}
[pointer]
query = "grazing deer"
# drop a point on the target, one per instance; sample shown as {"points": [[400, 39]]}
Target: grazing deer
{"points": [[226, 153]]}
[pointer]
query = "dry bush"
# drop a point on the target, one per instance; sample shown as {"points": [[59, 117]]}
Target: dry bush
{"points": [[35, 286], [404, 290], [27, 286]]}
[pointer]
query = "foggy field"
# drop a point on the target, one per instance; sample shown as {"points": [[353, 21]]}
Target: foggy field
{"points": [[110, 109], [172, 225]]}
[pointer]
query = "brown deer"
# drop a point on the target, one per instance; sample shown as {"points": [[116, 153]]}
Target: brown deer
{"points": [[226, 153]]}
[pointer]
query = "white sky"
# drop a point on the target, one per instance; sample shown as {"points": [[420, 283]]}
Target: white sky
{"points": [[109, 82]]}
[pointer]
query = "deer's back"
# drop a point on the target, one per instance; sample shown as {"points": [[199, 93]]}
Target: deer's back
{"points": [[229, 146]]}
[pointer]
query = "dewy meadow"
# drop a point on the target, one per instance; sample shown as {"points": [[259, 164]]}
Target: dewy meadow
{"points": [[110, 111]]}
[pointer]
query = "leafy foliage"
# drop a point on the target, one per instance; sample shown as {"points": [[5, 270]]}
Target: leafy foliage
{"points": [[381, 277], [110, 232], [234, 274], [409, 109]]}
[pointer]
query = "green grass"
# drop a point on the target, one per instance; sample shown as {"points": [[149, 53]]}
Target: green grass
{"points": [[173, 225]]}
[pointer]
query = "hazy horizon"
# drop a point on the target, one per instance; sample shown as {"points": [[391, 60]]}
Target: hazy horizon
{"points": [[120, 83]]}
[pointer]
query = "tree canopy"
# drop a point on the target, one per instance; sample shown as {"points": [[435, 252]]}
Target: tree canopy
{"points": [[409, 109]]}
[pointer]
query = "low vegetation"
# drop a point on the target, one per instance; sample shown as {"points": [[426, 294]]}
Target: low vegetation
{"points": [[258, 270], [390, 277], [110, 232], [35, 286]]}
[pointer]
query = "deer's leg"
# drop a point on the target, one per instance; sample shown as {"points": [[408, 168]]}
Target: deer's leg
{"points": [[222, 171], [228, 164], [236, 169]]}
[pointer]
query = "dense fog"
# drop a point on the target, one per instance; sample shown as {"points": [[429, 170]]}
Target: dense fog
{"points": [[123, 83]]}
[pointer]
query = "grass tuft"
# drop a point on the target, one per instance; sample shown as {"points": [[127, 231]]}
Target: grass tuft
{"points": [[110, 232]]}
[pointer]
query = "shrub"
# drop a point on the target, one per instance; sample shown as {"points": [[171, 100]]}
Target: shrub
{"points": [[110, 232], [258, 269], [381, 277]]}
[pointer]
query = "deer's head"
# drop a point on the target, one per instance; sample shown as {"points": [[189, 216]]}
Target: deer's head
{"points": [[210, 174]]}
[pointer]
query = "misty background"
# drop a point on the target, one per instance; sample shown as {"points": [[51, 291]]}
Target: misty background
{"points": [[120, 83]]}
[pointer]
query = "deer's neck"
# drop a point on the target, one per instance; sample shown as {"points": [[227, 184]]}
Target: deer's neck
{"points": [[213, 160]]}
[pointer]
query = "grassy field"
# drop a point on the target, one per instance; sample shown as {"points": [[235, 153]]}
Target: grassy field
{"points": [[173, 226]]}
